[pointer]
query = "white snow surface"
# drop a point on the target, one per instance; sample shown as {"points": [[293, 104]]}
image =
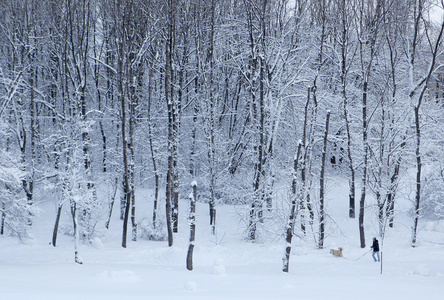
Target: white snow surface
{"points": [[226, 266]]}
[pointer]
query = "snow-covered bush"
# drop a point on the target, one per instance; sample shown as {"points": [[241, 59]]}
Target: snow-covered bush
{"points": [[73, 183], [433, 195], [16, 212], [149, 232]]}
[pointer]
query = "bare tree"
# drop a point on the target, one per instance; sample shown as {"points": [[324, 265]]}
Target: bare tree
{"points": [[293, 212], [418, 86], [171, 208], [126, 93], [322, 186], [344, 41], [368, 34]]}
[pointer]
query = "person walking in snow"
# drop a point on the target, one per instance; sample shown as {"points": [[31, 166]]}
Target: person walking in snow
{"points": [[375, 247]]}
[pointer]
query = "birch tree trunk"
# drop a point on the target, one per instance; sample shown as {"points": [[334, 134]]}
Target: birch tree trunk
{"points": [[258, 65], [192, 220], [293, 211], [77, 257], [303, 165]]}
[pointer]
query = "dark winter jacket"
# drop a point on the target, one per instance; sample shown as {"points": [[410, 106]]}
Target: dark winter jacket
{"points": [[375, 245]]}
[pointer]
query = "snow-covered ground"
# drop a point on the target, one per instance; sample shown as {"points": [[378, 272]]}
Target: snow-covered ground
{"points": [[225, 266]]}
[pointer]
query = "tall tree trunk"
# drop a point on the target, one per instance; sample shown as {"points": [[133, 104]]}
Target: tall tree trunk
{"points": [[212, 145], [111, 203], [153, 152], [369, 30], [422, 87], [301, 199], [344, 72], [169, 96], [2, 226], [256, 206], [123, 91], [56, 225], [258, 65], [418, 175], [126, 179], [291, 219], [77, 257], [364, 167], [132, 154], [34, 130], [390, 197], [322, 187], [99, 97], [192, 220], [308, 161]]}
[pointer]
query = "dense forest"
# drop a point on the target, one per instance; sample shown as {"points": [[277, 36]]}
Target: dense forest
{"points": [[257, 103]]}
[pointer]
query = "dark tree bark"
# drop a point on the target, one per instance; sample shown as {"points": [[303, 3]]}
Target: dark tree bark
{"points": [[2, 226], [390, 197], [111, 203], [132, 157], [301, 199], [322, 186], [365, 167], [151, 143], [421, 87], [171, 209], [344, 28], [56, 225], [212, 145], [371, 30], [123, 87]]}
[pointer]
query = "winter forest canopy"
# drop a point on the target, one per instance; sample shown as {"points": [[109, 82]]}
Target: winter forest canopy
{"points": [[257, 103]]}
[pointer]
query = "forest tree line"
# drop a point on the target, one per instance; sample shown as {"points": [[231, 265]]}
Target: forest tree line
{"points": [[259, 102]]}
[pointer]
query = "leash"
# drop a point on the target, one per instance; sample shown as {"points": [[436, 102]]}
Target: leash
{"points": [[360, 256]]}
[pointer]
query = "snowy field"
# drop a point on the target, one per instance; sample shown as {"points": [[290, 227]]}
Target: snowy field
{"points": [[225, 267]]}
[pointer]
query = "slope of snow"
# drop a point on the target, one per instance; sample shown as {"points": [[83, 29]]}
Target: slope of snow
{"points": [[225, 266]]}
